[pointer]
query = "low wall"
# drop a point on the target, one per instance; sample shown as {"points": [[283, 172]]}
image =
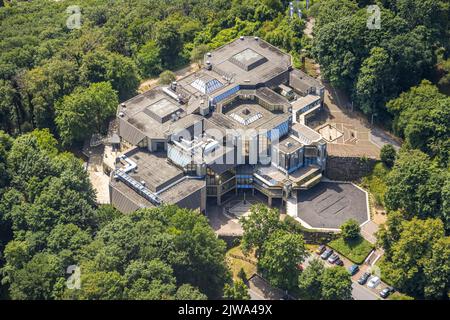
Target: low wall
{"points": [[231, 240], [348, 168], [309, 236]]}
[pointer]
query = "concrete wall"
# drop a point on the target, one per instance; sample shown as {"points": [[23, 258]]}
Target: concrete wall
{"points": [[348, 168], [281, 78], [194, 201], [122, 202]]}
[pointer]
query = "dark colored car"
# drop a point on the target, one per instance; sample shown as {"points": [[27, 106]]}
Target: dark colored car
{"points": [[326, 254], [363, 279], [333, 258], [321, 249], [353, 269], [386, 292], [339, 262]]}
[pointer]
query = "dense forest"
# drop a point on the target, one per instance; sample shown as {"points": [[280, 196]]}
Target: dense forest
{"points": [[59, 84]]}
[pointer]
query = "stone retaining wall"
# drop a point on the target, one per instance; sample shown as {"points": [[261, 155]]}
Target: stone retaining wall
{"points": [[348, 169]]}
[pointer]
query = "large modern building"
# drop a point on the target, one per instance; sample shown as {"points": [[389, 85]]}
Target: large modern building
{"points": [[238, 123]]}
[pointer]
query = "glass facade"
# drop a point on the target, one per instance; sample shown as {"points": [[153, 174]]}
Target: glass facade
{"points": [[225, 95], [244, 181], [300, 158]]}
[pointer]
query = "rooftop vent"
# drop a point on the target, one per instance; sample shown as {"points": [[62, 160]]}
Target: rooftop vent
{"points": [[208, 65], [246, 111], [256, 38], [209, 54], [288, 144], [123, 105], [173, 86], [121, 114], [241, 37]]}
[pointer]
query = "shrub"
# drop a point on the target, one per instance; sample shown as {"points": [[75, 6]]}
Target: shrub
{"points": [[388, 155], [166, 77], [350, 230]]}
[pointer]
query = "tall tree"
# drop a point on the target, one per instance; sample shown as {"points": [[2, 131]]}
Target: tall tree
{"points": [[336, 284], [85, 111], [414, 185], [102, 65], [169, 42], [310, 281], [236, 291], [259, 226], [375, 82], [283, 252], [418, 262], [148, 59], [422, 117]]}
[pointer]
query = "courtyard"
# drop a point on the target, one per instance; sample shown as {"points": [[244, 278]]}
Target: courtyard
{"points": [[329, 204]]}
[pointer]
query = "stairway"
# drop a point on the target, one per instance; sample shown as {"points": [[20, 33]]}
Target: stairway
{"points": [[291, 205]]}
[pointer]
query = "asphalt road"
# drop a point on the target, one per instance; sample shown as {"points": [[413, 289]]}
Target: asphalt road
{"points": [[360, 292]]}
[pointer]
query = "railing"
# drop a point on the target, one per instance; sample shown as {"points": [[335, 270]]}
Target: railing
{"points": [[138, 187]]}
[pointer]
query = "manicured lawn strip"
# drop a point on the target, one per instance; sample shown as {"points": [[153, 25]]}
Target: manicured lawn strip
{"points": [[355, 250]]}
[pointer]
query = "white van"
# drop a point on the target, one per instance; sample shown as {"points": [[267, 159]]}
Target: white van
{"points": [[373, 282]]}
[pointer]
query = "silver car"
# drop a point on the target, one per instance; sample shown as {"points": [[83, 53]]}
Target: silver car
{"points": [[333, 258]]}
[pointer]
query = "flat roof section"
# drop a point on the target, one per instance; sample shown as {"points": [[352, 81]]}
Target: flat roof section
{"points": [[263, 118], [330, 204], [181, 190], [263, 61], [288, 145], [128, 200], [161, 110], [248, 59], [306, 134], [153, 169], [304, 101]]}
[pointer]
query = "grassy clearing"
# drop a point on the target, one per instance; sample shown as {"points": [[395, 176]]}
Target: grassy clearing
{"points": [[356, 250], [376, 183], [309, 68], [235, 264], [312, 247]]}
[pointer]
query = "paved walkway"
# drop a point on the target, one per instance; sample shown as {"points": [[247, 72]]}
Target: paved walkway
{"points": [[359, 137], [149, 83], [368, 231]]}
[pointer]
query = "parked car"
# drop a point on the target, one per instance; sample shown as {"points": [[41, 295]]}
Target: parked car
{"points": [[363, 279], [321, 249], [386, 292], [353, 269], [326, 254], [333, 258], [373, 282], [339, 262]]}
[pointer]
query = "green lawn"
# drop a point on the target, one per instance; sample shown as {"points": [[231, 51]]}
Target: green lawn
{"points": [[356, 250], [376, 182], [235, 264]]}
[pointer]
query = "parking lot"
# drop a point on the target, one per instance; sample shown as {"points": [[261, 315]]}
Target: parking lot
{"points": [[329, 204], [359, 292]]}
